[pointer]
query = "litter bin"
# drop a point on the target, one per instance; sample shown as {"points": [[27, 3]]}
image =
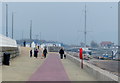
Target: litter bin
{"points": [[6, 59]]}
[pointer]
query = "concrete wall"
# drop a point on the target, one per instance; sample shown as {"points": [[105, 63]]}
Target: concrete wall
{"points": [[14, 51], [98, 73]]}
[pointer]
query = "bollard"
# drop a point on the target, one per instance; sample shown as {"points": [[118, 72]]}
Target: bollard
{"points": [[81, 57]]}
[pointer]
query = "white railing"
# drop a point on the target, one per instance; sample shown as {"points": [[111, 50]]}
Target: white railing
{"points": [[7, 42]]}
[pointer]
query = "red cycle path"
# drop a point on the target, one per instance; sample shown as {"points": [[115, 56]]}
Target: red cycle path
{"points": [[51, 70]]}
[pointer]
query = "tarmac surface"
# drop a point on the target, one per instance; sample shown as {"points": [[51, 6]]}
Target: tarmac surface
{"points": [[51, 70], [24, 68]]}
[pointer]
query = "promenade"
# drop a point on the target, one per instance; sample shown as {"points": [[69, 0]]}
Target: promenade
{"points": [[24, 68]]}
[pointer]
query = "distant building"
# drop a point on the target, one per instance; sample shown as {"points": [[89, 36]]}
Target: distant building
{"points": [[50, 44], [106, 44], [82, 44]]}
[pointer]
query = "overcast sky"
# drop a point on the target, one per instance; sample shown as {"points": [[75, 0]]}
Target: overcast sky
{"points": [[0, 17], [64, 22]]}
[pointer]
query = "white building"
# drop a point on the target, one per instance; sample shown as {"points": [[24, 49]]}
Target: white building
{"points": [[7, 42], [49, 44]]}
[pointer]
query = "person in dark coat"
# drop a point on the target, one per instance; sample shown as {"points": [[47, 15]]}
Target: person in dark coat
{"points": [[45, 52], [38, 47], [61, 52], [30, 53], [24, 43], [36, 53]]}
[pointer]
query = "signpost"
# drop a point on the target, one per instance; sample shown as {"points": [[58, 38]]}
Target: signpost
{"points": [[81, 57]]}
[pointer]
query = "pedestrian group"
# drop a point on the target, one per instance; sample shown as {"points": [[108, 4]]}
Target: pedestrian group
{"points": [[44, 53]]}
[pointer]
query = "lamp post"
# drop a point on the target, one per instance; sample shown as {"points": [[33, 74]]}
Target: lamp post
{"points": [[30, 32], [85, 32], [12, 25], [7, 20]]}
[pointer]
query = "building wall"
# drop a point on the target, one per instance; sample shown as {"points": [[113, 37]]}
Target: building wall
{"points": [[7, 42]]}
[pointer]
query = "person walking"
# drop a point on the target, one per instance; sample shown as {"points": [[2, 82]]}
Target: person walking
{"points": [[31, 53], [24, 43], [36, 53], [61, 52], [38, 46], [45, 52]]}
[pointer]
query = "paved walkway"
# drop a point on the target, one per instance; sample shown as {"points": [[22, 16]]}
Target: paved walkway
{"points": [[51, 70], [21, 67], [24, 68]]}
